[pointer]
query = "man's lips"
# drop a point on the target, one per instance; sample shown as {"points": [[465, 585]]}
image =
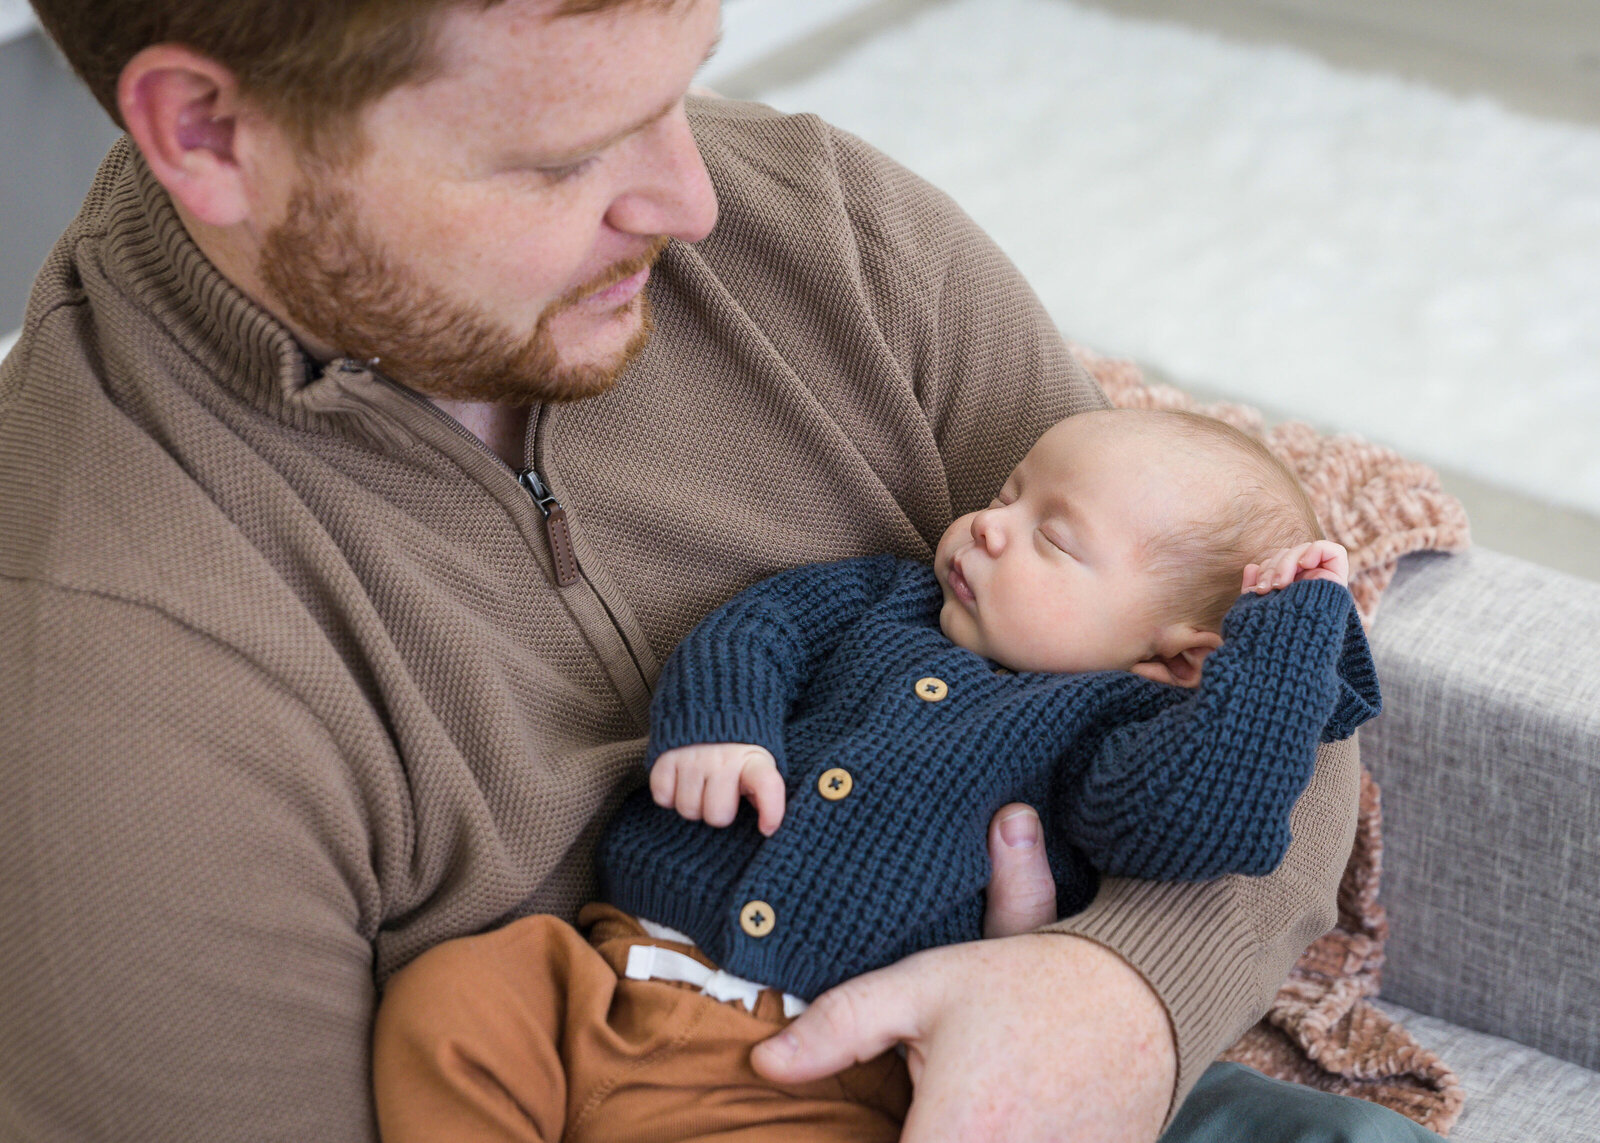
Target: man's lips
{"points": [[618, 293], [959, 587]]}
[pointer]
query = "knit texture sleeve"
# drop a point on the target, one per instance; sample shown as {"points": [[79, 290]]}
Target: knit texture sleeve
{"points": [[735, 676], [1205, 787], [1359, 697], [188, 895]]}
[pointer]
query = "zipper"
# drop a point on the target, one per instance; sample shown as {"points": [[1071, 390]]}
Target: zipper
{"points": [[555, 526], [555, 516], [557, 532]]}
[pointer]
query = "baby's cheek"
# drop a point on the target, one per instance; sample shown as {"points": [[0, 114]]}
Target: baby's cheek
{"points": [[1054, 630]]}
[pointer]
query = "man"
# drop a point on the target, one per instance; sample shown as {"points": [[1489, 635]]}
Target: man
{"points": [[350, 512]]}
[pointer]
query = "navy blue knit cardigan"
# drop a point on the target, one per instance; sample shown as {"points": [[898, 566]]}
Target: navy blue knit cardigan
{"points": [[1133, 778]]}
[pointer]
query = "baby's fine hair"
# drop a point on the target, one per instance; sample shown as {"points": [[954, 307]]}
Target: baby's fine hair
{"points": [[1263, 508]]}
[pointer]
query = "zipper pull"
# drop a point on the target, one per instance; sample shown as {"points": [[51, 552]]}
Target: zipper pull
{"points": [[555, 525]]}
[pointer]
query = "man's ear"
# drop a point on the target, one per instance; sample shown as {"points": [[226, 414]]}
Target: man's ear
{"points": [[1179, 654], [183, 110]]}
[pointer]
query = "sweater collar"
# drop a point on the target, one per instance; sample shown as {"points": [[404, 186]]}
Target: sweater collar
{"points": [[239, 344]]}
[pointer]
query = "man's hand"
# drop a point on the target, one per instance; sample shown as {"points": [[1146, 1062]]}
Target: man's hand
{"points": [[1030, 1037], [706, 781], [1320, 559]]}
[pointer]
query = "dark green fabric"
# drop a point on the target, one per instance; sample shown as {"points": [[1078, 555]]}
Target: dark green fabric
{"points": [[1236, 1104]]}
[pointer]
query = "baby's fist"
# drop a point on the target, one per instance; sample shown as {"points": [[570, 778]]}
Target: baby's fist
{"points": [[704, 783], [1320, 559]]}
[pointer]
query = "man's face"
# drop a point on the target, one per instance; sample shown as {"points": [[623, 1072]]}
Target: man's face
{"points": [[493, 240], [1053, 575]]}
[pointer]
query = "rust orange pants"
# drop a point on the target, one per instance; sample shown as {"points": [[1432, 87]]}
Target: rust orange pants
{"points": [[532, 1032]]}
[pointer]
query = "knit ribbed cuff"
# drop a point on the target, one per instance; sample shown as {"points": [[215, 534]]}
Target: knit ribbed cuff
{"points": [[694, 727]]}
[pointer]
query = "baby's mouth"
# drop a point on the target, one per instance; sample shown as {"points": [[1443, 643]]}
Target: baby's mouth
{"points": [[959, 587]]}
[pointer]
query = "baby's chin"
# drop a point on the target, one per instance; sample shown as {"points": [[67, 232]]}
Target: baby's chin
{"points": [[957, 627], [950, 617]]}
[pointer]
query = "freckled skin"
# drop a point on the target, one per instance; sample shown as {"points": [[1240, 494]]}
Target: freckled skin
{"points": [[487, 170], [540, 156]]}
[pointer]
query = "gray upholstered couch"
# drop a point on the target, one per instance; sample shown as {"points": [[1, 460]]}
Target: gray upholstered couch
{"points": [[1488, 755]]}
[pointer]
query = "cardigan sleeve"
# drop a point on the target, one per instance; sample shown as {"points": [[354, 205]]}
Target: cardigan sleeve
{"points": [[1205, 787], [734, 677]]}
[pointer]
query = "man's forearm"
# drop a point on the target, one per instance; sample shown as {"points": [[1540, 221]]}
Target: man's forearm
{"points": [[1216, 952]]}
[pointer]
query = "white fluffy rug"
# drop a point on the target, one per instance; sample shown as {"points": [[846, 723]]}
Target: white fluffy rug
{"points": [[1361, 252]]}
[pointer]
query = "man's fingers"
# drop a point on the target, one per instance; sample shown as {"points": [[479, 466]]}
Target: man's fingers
{"points": [[1022, 891], [849, 1024]]}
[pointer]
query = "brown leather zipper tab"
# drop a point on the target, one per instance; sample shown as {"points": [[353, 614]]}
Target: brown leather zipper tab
{"points": [[555, 526]]}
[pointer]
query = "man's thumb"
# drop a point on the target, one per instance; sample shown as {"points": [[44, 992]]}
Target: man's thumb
{"points": [[1022, 890], [849, 1024]]}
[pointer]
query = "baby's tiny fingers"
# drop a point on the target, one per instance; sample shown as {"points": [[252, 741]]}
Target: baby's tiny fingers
{"points": [[721, 801], [767, 792], [664, 780], [690, 793]]}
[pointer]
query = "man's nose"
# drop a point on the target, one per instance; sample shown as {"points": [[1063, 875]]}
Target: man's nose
{"points": [[670, 192]]}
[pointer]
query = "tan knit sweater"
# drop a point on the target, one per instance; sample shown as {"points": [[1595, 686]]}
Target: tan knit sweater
{"points": [[290, 691]]}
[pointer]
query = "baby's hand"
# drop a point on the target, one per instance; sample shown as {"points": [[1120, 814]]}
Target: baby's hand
{"points": [[705, 782], [1320, 559]]}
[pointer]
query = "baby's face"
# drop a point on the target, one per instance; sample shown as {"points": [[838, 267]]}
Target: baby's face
{"points": [[1050, 576]]}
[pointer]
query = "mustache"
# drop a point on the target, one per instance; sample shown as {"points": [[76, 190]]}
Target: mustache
{"points": [[613, 274]]}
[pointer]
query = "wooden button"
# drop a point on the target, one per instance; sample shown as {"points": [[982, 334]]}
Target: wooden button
{"points": [[835, 784], [931, 689], [757, 918]]}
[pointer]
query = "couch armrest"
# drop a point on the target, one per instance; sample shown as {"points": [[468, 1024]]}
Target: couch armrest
{"points": [[1488, 754]]}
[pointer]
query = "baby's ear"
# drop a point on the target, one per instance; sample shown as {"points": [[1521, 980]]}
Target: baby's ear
{"points": [[1179, 656]]}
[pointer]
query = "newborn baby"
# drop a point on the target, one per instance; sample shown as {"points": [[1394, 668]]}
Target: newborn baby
{"points": [[1143, 635]]}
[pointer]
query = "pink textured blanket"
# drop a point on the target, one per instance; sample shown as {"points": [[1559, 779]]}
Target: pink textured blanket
{"points": [[1323, 1029]]}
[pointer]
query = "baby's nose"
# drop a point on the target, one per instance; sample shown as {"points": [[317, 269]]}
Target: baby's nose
{"points": [[986, 530]]}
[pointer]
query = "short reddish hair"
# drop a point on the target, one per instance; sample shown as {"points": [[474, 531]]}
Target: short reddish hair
{"points": [[311, 65]]}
